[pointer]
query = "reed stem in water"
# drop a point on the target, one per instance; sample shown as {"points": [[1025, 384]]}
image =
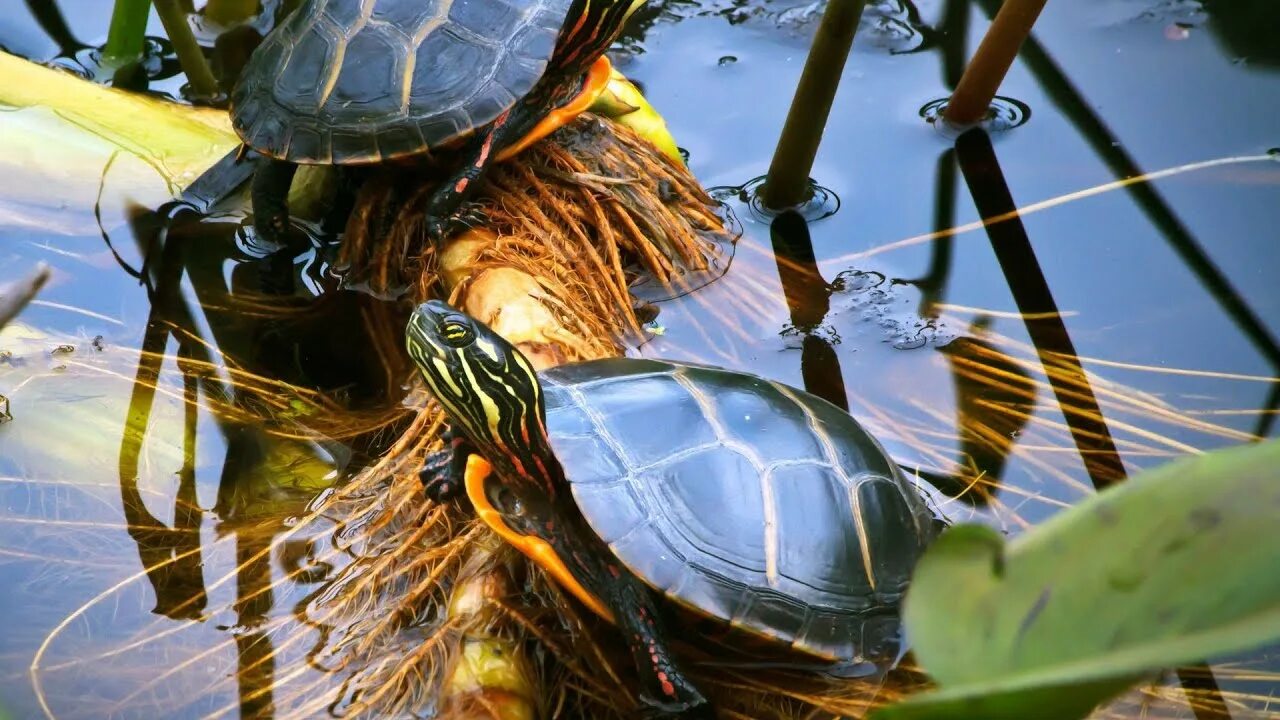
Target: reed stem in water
{"points": [[190, 56], [127, 33], [977, 87], [787, 183], [230, 12]]}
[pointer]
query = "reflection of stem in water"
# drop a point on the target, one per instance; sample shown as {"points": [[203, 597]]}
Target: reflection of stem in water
{"points": [[170, 557], [17, 297], [955, 18], [933, 283], [991, 61], [1069, 100], [1269, 408], [49, 17], [808, 299], [1197, 680], [1031, 293], [256, 667], [787, 183], [230, 12]]}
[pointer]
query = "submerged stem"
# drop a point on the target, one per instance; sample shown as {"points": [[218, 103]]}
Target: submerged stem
{"points": [[21, 294], [1010, 27], [787, 183], [190, 56], [127, 33], [230, 12]]}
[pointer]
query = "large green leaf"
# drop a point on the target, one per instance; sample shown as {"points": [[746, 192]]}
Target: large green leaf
{"points": [[1175, 566]]}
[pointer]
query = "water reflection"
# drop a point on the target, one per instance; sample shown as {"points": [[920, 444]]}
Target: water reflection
{"points": [[808, 298], [1039, 311], [1062, 91], [266, 476]]}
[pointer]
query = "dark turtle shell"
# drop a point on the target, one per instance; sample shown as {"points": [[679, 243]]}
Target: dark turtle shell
{"points": [[744, 499], [353, 81]]}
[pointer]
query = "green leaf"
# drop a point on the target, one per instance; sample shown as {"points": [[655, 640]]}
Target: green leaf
{"points": [[1174, 566]]}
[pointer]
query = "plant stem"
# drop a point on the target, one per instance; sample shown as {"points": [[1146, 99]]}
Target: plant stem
{"points": [[127, 33], [190, 56], [230, 12], [1010, 27], [787, 183], [21, 294]]}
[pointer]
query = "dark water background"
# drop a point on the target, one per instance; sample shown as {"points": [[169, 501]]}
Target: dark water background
{"points": [[1180, 274]]}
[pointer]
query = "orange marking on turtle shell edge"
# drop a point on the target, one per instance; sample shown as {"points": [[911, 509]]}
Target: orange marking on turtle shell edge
{"points": [[597, 79]]}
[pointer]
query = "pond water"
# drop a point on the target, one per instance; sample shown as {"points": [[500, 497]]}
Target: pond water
{"points": [[1167, 291]]}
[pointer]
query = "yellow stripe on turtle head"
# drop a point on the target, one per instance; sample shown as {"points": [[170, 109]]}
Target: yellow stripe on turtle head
{"points": [[492, 413]]}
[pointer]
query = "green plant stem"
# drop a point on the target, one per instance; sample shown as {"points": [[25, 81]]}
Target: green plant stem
{"points": [[787, 183], [190, 56], [1012, 24], [231, 12], [127, 33]]}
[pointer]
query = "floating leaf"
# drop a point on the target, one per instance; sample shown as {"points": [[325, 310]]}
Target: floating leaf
{"points": [[1175, 566]]}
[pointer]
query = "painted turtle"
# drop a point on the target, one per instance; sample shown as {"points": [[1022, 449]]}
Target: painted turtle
{"points": [[738, 498], [351, 82]]}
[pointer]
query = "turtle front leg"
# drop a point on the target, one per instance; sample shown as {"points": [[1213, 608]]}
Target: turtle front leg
{"points": [[270, 196], [663, 686], [442, 214], [444, 471]]}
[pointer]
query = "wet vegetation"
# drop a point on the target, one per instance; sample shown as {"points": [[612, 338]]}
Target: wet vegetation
{"points": [[1061, 322]]}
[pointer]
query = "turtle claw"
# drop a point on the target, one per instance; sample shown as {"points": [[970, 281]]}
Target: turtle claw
{"points": [[437, 229], [472, 215], [467, 217]]}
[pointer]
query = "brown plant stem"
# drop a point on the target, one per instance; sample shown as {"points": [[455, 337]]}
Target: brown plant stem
{"points": [[787, 183], [230, 12], [991, 62], [190, 56]]}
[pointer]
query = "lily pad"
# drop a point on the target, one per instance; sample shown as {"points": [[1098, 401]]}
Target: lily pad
{"points": [[1174, 566]]}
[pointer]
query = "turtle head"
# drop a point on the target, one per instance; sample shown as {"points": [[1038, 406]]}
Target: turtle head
{"points": [[486, 386], [491, 394]]}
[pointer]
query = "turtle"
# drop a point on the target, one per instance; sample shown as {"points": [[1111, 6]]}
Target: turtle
{"points": [[359, 82], [633, 480]]}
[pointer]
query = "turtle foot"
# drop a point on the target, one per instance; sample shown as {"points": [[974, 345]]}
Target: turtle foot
{"points": [[444, 471], [468, 216], [439, 479]]}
